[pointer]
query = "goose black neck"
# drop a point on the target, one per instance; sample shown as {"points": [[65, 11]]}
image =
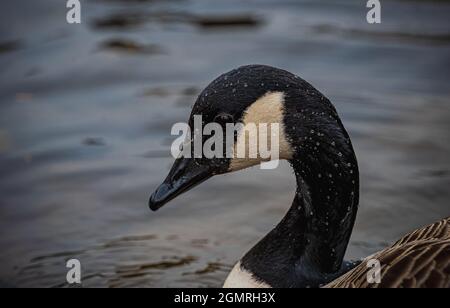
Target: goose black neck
{"points": [[307, 248]]}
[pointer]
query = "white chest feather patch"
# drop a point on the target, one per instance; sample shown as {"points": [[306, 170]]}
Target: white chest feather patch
{"points": [[240, 278], [264, 112]]}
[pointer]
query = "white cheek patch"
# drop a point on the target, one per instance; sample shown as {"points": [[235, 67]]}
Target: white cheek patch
{"points": [[266, 116]]}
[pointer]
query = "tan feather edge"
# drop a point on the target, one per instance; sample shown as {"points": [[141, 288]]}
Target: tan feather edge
{"points": [[420, 259]]}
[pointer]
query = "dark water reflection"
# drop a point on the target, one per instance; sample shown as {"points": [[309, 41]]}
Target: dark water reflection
{"points": [[86, 113]]}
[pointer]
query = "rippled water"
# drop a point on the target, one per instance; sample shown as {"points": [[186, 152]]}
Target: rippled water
{"points": [[86, 112]]}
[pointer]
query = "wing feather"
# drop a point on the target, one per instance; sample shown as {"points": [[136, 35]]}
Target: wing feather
{"points": [[420, 259]]}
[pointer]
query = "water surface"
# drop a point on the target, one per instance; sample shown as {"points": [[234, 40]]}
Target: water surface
{"points": [[86, 112]]}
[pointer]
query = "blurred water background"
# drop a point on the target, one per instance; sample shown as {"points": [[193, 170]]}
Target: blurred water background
{"points": [[86, 112]]}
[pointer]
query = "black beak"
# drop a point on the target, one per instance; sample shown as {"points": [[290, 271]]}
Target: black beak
{"points": [[185, 174]]}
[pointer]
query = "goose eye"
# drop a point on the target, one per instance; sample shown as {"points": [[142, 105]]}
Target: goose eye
{"points": [[223, 118]]}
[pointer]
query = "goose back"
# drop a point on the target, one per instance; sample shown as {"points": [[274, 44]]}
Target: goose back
{"points": [[420, 259]]}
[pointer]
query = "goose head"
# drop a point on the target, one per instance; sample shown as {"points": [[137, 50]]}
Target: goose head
{"points": [[308, 246], [308, 131]]}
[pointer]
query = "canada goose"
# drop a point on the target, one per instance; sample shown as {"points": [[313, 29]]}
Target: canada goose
{"points": [[306, 249]]}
